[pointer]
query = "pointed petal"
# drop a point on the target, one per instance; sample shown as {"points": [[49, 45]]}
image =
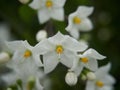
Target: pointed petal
{"points": [[90, 85], [94, 54], [50, 61], [57, 39], [58, 14], [43, 15], [35, 4], [67, 58], [78, 69], [85, 25], [92, 64], [38, 85], [73, 45], [15, 45], [85, 11], [38, 62], [42, 47], [75, 33], [59, 3]]}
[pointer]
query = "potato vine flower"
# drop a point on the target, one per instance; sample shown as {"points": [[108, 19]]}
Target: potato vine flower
{"points": [[59, 48], [23, 52], [23, 65], [79, 21], [103, 81], [49, 9], [88, 59]]}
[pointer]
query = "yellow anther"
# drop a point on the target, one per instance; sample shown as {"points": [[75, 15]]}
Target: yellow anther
{"points": [[27, 53], [49, 3], [76, 20], [59, 49], [84, 60], [99, 84]]}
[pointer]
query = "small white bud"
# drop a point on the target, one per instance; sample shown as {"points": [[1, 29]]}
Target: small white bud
{"points": [[91, 76], [42, 34], [83, 77], [71, 78], [24, 1], [4, 57]]}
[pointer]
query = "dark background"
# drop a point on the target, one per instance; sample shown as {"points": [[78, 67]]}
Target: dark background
{"points": [[105, 37]]}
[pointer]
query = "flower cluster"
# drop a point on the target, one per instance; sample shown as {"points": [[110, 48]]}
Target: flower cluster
{"points": [[26, 61]]}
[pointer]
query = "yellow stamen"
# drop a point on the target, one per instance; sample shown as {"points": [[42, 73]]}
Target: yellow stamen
{"points": [[99, 84], [27, 53], [76, 20], [84, 60], [49, 3], [59, 49]]}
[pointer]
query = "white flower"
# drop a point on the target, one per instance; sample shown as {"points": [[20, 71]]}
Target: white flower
{"points": [[49, 9], [91, 76], [79, 21], [103, 81], [88, 59], [59, 48], [23, 52], [4, 57], [42, 34], [23, 64], [71, 78]]}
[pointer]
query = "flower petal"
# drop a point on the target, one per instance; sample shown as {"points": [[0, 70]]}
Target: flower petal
{"points": [[50, 61], [38, 85], [38, 62], [67, 58], [90, 85], [85, 25], [59, 3], [92, 64], [43, 15], [94, 54], [42, 47], [58, 14], [15, 45], [75, 33], [57, 39], [73, 45], [35, 4], [85, 11]]}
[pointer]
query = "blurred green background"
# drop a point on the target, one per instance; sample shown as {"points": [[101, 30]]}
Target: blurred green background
{"points": [[105, 37]]}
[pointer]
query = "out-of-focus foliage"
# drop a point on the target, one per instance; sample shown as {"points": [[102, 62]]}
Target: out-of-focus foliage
{"points": [[105, 37]]}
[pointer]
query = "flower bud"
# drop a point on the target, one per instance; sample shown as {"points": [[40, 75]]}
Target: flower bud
{"points": [[4, 57], [42, 34], [83, 77], [71, 78], [24, 1], [91, 76]]}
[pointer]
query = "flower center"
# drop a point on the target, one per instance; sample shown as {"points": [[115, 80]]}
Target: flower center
{"points": [[27, 53], [84, 60], [99, 84], [59, 49], [76, 20], [49, 3]]}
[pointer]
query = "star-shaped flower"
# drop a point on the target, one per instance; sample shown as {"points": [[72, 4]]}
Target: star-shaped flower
{"points": [[103, 81], [23, 53], [79, 21], [23, 64], [88, 59], [59, 48], [49, 9]]}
